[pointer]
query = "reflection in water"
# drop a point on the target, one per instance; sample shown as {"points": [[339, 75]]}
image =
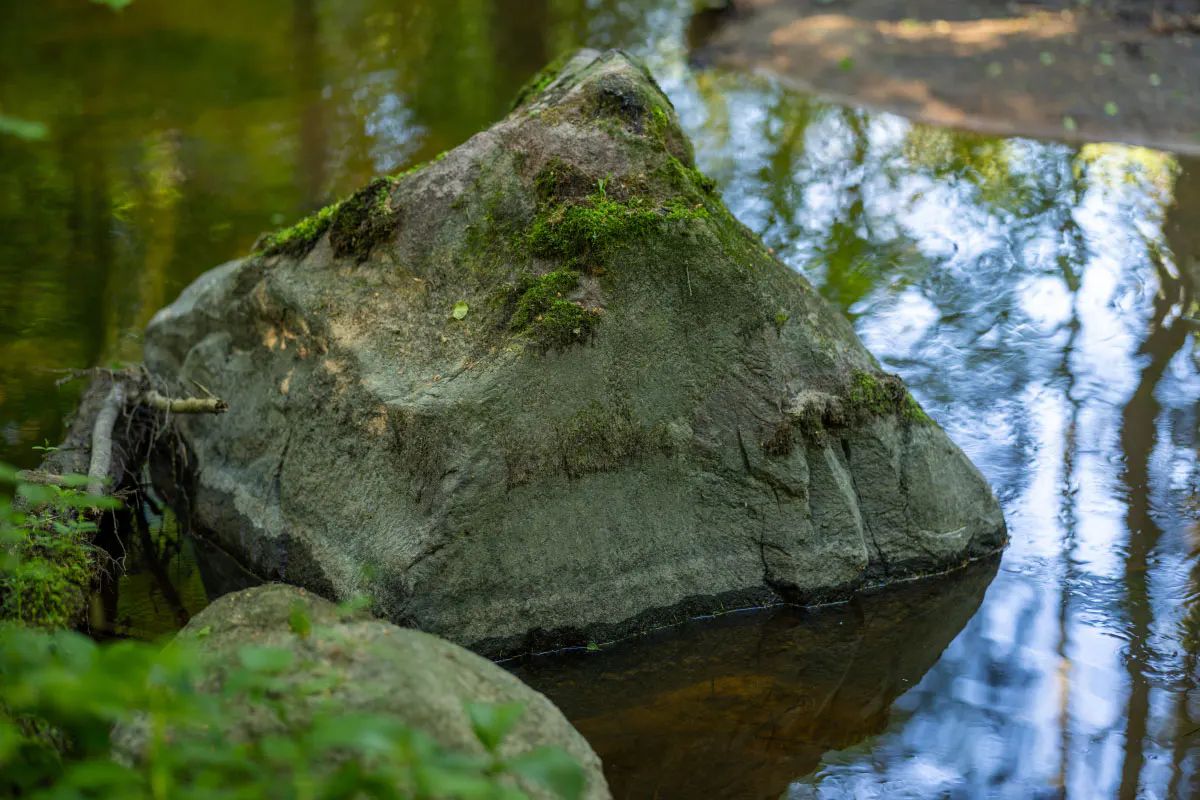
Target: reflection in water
{"points": [[1036, 297], [740, 705]]}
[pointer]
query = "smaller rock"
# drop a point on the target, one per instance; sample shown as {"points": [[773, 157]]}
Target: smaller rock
{"points": [[374, 667]]}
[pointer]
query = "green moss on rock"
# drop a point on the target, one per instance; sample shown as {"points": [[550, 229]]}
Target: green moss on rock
{"points": [[50, 585], [365, 220], [543, 311], [881, 394], [299, 239], [582, 232]]}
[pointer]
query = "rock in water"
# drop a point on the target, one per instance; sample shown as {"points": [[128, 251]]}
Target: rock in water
{"points": [[546, 390], [362, 666]]}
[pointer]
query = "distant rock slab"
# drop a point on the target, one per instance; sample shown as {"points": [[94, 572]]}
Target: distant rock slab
{"points": [[1078, 74], [546, 390]]}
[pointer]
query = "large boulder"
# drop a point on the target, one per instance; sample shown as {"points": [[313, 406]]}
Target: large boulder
{"points": [[546, 389], [366, 666]]}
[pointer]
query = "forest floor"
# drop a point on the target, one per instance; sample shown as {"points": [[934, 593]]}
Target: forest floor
{"points": [[1107, 70]]}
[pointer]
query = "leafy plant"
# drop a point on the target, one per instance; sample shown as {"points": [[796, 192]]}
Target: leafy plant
{"points": [[61, 694]]}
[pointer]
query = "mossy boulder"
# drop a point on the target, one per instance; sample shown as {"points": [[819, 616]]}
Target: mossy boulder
{"points": [[559, 394], [354, 664]]}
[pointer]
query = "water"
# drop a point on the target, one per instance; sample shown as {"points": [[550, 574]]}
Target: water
{"points": [[1037, 298]]}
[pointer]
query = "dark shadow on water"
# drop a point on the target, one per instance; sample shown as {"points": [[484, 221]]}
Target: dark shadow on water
{"points": [[742, 705]]}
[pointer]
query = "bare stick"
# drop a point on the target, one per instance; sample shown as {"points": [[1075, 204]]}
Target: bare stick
{"points": [[102, 443], [183, 405]]}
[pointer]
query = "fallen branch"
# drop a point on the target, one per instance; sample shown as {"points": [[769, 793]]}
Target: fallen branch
{"points": [[183, 405], [106, 420]]}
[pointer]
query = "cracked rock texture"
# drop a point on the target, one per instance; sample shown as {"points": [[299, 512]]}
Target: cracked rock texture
{"points": [[546, 390]]}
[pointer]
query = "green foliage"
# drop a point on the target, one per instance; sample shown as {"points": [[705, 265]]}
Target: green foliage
{"points": [[22, 128], [53, 564], [461, 309], [61, 694], [299, 621]]}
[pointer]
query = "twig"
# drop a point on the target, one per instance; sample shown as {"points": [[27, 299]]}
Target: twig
{"points": [[183, 405]]}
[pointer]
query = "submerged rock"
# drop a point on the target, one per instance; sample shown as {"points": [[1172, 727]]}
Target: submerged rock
{"points": [[546, 390], [364, 666]]}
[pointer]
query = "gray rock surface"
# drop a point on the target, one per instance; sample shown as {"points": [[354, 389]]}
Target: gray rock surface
{"points": [[373, 667], [546, 390]]}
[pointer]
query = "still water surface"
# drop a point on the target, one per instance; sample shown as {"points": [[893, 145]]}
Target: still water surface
{"points": [[1036, 297]]}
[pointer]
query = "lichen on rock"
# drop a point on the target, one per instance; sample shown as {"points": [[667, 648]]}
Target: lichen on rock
{"points": [[644, 414]]}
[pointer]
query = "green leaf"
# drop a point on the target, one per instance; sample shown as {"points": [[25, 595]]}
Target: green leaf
{"points": [[593, 646], [22, 128], [299, 621], [460, 310], [367, 734], [204, 632], [271, 660], [846, 64], [1046, 57], [551, 768], [433, 781], [1069, 124], [1110, 108], [493, 721]]}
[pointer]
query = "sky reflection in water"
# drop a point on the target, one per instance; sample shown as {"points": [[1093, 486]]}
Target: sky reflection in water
{"points": [[1027, 292]]}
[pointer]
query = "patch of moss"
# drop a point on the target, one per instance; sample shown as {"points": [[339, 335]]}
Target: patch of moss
{"points": [[536, 295], [559, 180], [602, 439], [543, 312], [365, 220], [50, 585], [684, 179], [913, 412], [581, 232], [880, 394], [679, 208], [299, 239]]}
